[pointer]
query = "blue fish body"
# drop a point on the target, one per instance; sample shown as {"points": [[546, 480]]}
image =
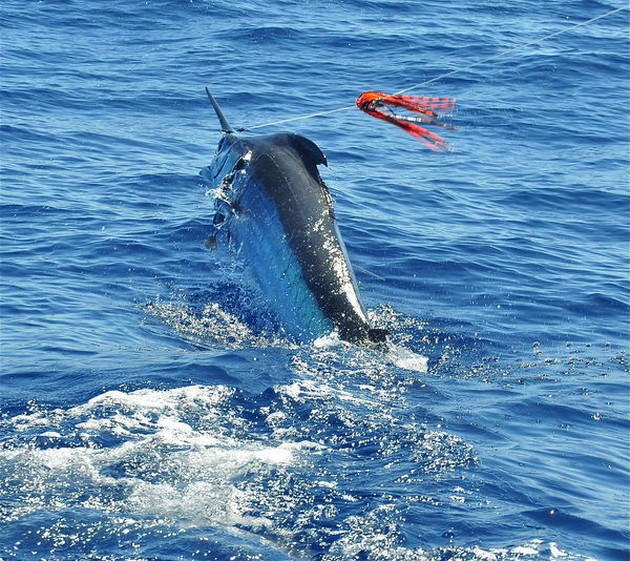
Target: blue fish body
{"points": [[279, 215]]}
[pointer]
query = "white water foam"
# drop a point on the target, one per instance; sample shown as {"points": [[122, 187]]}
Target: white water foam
{"points": [[188, 457], [404, 358], [377, 537], [175, 455], [395, 354], [211, 325], [215, 325]]}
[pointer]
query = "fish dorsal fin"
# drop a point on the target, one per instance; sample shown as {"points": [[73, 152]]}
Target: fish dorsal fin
{"points": [[225, 126], [307, 149]]}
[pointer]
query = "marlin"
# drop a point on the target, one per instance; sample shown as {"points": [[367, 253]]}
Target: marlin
{"points": [[279, 215]]}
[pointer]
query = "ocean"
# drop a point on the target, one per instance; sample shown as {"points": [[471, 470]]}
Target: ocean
{"points": [[150, 410]]}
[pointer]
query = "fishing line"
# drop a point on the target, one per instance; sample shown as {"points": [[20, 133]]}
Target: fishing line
{"points": [[291, 119], [513, 49], [496, 56]]}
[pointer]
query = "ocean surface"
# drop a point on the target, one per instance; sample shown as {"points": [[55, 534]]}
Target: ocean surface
{"points": [[148, 408]]}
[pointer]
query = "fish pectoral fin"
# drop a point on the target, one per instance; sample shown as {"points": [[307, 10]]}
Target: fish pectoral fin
{"points": [[218, 221], [211, 241]]}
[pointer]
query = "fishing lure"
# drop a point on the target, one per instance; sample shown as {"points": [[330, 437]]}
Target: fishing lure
{"points": [[422, 109]]}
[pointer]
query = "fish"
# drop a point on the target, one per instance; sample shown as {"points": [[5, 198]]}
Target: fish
{"points": [[279, 216]]}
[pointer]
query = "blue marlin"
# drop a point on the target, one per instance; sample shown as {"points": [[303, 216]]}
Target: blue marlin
{"points": [[279, 214]]}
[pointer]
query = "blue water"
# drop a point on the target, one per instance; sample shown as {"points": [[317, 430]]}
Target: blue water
{"points": [[148, 408]]}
